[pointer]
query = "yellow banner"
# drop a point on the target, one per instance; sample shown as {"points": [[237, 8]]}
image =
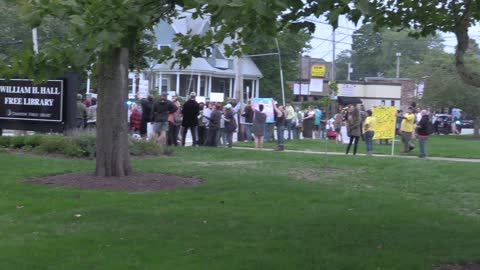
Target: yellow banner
{"points": [[385, 118], [318, 71]]}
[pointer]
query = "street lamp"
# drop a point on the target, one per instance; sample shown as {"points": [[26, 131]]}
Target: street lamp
{"points": [[398, 64]]}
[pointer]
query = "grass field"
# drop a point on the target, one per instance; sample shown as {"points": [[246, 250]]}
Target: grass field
{"points": [[255, 210], [437, 146]]}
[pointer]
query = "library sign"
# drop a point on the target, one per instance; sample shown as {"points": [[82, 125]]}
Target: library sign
{"points": [[24, 100]]}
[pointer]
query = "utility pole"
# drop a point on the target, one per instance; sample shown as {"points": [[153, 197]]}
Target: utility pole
{"points": [[281, 71], [398, 64], [349, 71], [333, 55], [238, 93]]}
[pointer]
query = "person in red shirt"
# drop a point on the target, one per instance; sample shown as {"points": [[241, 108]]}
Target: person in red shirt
{"points": [[135, 119]]}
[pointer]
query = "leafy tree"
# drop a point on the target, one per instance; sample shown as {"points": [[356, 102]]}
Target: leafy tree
{"points": [[444, 87], [291, 45]]}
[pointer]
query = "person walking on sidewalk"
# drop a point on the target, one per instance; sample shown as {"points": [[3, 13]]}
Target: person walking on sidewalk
{"points": [[353, 129]]}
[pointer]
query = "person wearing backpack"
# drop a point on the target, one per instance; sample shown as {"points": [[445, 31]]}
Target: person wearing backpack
{"points": [[160, 112], [424, 129]]}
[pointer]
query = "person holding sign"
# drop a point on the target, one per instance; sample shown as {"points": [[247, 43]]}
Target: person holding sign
{"points": [[368, 129]]}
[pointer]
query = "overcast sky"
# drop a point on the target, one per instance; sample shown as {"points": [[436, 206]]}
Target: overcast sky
{"points": [[322, 45]]}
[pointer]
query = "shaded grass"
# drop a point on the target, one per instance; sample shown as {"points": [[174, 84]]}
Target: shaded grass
{"points": [[255, 210], [459, 146]]}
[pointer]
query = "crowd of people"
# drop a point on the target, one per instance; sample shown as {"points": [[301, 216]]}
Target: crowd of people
{"points": [[214, 124]]}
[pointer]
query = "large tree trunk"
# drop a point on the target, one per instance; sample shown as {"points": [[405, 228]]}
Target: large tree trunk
{"points": [[113, 157], [476, 128]]}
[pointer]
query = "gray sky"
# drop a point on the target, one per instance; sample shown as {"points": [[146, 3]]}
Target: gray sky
{"points": [[322, 45]]}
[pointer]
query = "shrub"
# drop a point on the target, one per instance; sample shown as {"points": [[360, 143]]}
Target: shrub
{"points": [[73, 150], [5, 141], [54, 144], [86, 140], [3, 149], [17, 141], [144, 147], [32, 140]]}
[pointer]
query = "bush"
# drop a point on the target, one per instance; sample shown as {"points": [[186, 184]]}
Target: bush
{"points": [[32, 140], [5, 141], [17, 141], [86, 140], [145, 147], [73, 150], [54, 144]]}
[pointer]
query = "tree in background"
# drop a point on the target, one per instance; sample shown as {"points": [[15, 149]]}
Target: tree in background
{"points": [[443, 87], [291, 45], [373, 52]]}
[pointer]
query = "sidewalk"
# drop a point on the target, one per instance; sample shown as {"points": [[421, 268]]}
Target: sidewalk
{"points": [[374, 155]]}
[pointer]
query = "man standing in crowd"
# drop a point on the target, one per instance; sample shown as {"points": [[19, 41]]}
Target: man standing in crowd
{"points": [[92, 114], [161, 110], [214, 125], [135, 118], [146, 105], [202, 127], [318, 117], [248, 114], [280, 124], [406, 130], [190, 112], [81, 116], [289, 114]]}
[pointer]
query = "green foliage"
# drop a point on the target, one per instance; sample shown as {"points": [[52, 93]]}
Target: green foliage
{"points": [[291, 45], [17, 141], [86, 140], [5, 141], [148, 147], [54, 144], [33, 140]]}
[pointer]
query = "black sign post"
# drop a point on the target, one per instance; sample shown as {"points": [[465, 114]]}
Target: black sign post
{"points": [[46, 107]]}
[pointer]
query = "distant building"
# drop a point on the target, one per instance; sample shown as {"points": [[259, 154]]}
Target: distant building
{"points": [[315, 73], [205, 75]]}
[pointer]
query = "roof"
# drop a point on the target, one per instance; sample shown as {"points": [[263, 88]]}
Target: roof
{"points": [[201, 65]]}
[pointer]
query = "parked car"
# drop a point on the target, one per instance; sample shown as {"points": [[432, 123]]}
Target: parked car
{"points": [[443, 124], [466, 123]]}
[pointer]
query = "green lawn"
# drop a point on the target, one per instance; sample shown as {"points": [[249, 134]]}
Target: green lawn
{"points": [[437, 146], [256, 210]]}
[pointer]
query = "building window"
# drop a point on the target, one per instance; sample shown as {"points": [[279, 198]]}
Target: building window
{"points": [[165, 85], [130, 86], [392, 102]]}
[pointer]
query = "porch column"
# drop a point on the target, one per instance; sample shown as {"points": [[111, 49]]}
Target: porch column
{"points": [[177, 88], [160, 81], [257, 90], [209, 87], [230, 90], [199, 81]]}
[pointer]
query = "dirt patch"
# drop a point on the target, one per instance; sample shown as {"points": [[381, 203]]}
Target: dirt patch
{"points": [[465, 266], [137, 181]]}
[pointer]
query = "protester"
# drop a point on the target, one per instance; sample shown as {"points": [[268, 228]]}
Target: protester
{"points": [[424, 129], [92, 114], [230, 125], [248, 114], [207, 112], [202, 128], [190, 112], [353, 129], [299, 127], [323, 125], [214, 125], [135, 118], [81, 115], [289, 117], [318, 117], [337, 126], [368, 129], [146, 106], [258, 128], [174, 122], [162, 108], [406, 129], [280, 124], [308, 122]]}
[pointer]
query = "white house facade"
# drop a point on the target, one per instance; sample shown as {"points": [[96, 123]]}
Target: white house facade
{"points": [[205, 75]]}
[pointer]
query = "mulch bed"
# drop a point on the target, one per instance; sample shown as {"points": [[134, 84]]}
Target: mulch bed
{"points": [[464, 266], [137, 181]]}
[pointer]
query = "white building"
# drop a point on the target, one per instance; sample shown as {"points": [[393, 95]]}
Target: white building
{"points": [[205, 75]]}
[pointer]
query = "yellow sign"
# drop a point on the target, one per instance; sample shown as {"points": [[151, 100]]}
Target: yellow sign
{"points": [[318, 70], [385, 118]]}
